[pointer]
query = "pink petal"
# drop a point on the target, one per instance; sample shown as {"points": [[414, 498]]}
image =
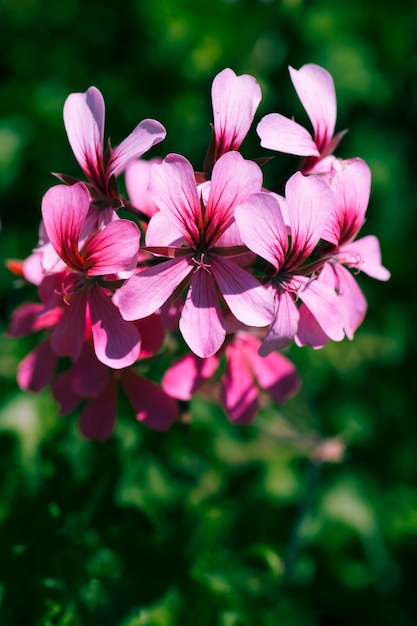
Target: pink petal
{"points": [[116, 342], [239, 393], [32, 317], [64, 210], [310, 202], [152, 406], [99, 415], [187, 375], [284, 325], [365, 255], [235, 100], [323, 304], [262, 227], [162, 232], [37, 368], [113, 249], [352, 300], [146, 134], [84, 123], [315, 88], [145, 292], [247, 299], [137, 180], [173, 188], [153, 334], [233, 180], [68, 336], [201, 322], [89, 376], [64, 394], [309, 332], [281, 134]]}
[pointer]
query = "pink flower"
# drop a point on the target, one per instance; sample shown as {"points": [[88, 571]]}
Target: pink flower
{"points": [[84, 122], [315, 88], [190, 230], [112, 250], [261, 224], [245, 370]]}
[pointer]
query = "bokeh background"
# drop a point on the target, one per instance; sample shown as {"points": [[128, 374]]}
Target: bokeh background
{"points": [[210, 524]]}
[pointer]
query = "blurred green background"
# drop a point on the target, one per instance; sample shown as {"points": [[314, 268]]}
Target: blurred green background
{"points": [[210, 524]]}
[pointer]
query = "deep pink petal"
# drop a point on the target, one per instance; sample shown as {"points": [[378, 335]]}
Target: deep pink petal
{"points": [[201, 322], [235, 100], [173, 188], [64, 210], [151, 404], [187, 375], [365, 255], [32, 317], [84, 123], [99, 415], [309, 202], [116, 341], [247, 299], [113, 249], [68, 336], [262, 227], [315, 88], [145, 292], [281, 134], [89, 376], [153, 334], [64, 394], [239, 393], [146, 134], [284, 325], [233, 180], [37, 368]]}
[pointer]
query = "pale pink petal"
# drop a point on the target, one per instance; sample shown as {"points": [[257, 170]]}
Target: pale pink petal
{"points": [[113, 249], [201, 322], [352, 300], [323, 304], [284, 325], [233, 180], [365, 255], [162, 232], [173, 188], [145, 292], [239, 393], [32, 269], [151, 404], [315, 88], [235, 100], [351, 188], [137, 179], [310, 202], [309, 332], [247, 299], [187, 375], [116, 341], [84, 123], [99, 415], [68, 336], [146, 134], [281, 134], [64, 210], [262, 227], [37, 368]]}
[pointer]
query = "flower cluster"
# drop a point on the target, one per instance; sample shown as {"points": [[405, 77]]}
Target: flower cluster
{"points": [[237, 270]]}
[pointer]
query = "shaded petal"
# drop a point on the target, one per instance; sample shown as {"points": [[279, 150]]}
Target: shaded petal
{"points": [[281, 134], [315, 88], [233, 180], [153, 334], [239, 393], [310, 202], [68, 336], [116, 341], [31, 317], [84, 123], [173, 188], [151, 404], [187, 375], [64, 210], [284, 325], [262, 227], [146, 134], [64, 393], [89, 376], [145, 292], [37, 368], [247, 299], [323, 304], [113, 249], [201, 322], [235, 100], [99, 415], [365, 255]]}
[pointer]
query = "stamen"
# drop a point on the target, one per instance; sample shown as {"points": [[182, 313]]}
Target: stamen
{"points": [[200, 263]]}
